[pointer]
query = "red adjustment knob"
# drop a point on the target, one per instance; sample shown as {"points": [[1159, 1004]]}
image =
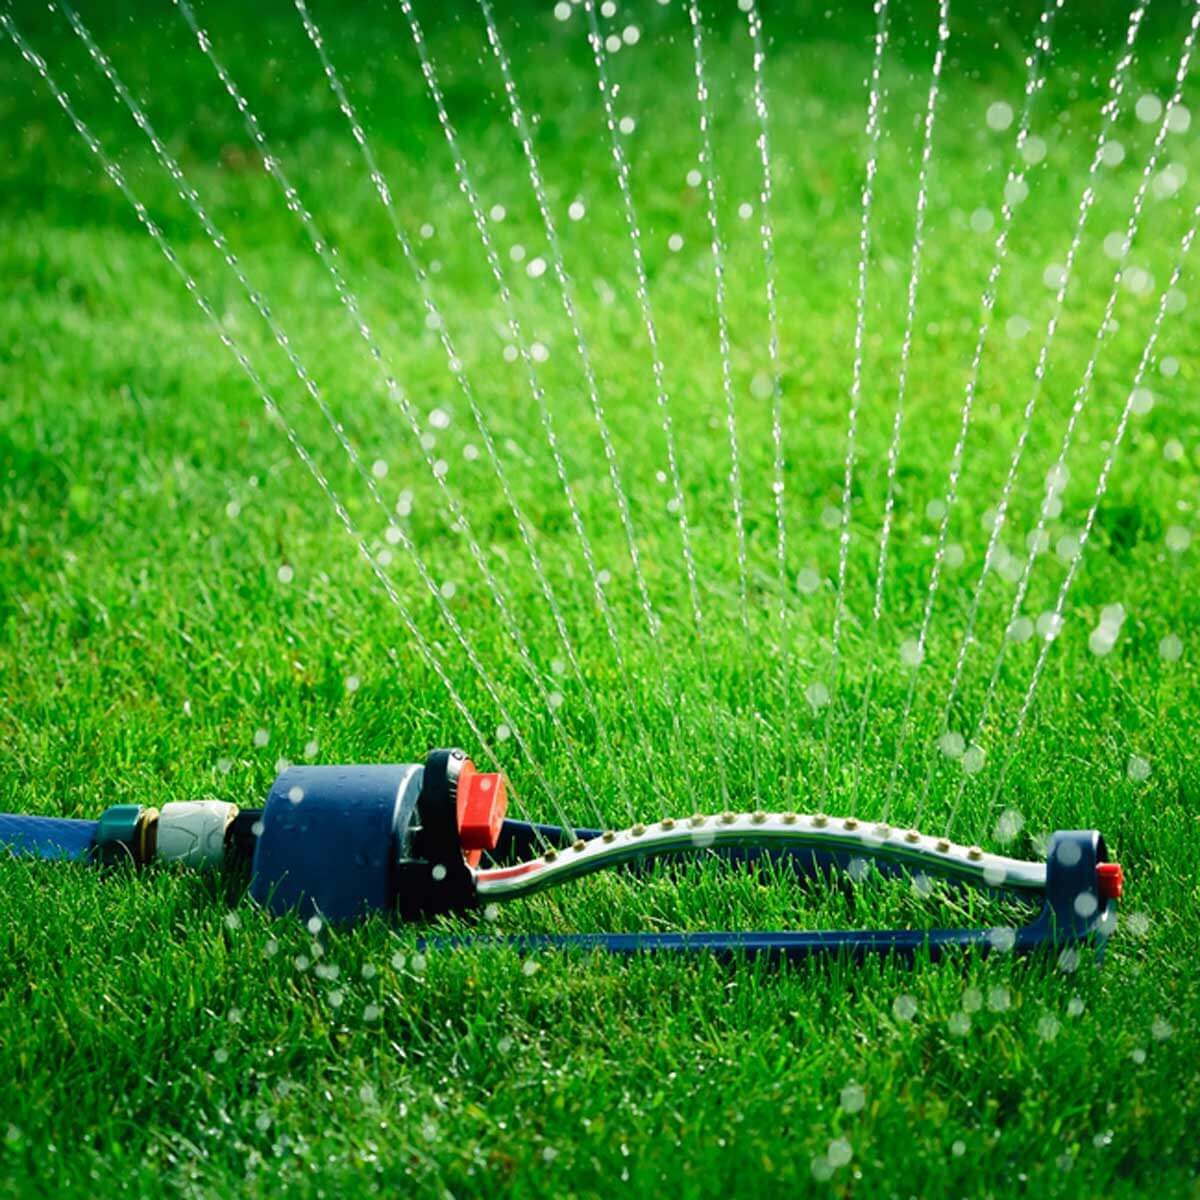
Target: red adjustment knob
{"points": [[1110, 880], [482, 801]]}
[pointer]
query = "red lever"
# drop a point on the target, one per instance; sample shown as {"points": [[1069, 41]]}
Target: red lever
{"points": [[482, 801], [1110, 880]]}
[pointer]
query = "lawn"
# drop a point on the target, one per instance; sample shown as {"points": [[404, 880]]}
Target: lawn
{"points": [[182, 609]]}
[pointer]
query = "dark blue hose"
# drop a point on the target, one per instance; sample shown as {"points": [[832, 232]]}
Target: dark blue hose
{"points": [[47, 837]]}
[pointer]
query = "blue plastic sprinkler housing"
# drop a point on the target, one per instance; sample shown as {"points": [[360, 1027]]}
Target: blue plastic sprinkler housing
{"points": [[343, 842], [409, 840]]}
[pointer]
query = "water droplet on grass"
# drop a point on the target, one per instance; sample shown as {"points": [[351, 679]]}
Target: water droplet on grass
{"points": [[807, 580], [839, 1153], [1138, 768], [904, 1007], [1170, 649], [853, 1098], [821, 1168]]}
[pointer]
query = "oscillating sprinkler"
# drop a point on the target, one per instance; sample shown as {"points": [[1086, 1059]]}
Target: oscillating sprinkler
{"points": [[410, 840]]}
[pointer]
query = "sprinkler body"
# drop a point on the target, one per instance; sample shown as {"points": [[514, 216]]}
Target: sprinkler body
{"points": [[408, 840], [347, 841]]}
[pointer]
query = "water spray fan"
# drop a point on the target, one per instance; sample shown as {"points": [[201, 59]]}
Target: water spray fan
{"points": [[410, 840]]}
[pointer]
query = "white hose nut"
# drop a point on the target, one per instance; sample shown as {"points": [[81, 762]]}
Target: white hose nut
{"points": [[193, 832]]}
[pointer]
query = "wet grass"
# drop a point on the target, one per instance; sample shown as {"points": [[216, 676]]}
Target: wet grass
{"points": [[155, 1038]]}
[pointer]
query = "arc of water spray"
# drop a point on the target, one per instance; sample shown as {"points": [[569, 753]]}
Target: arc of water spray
{"points": [[1014, 185], [873, 132], [708, 161], [766, 227], [437, 318], [1185, 247], [358, 321], [114, 173], [537, 391], [567, 291], [658, 369], [914, 278], [1110, 112], [1081, 396], [192, 198]]}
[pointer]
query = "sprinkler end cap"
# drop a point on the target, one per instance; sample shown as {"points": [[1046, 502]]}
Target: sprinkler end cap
{"points": [[1110, 880]]}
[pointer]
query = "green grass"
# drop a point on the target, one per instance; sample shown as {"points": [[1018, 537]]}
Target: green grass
{"points": [[158, 1035]]}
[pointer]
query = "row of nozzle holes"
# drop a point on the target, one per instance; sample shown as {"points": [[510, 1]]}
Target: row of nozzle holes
{"points": [[819, 821]]}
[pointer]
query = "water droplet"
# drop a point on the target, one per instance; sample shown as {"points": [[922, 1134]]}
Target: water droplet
{"points": [[952, 744], [261, 737], [972, 760], [999, 116], [1149, 109], [822, 1168], [577, 210], [817, 694], [1048, 1027], [1178, 539], [839, 1153], [1138, 768], [807, 580], [352, 683], [1033, 151], [1170, 649], [296, 794], [675, 243], [285, 574], [498, 213], [982, 220], [853, 1098], [904, 1007], [1009, 825]]}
